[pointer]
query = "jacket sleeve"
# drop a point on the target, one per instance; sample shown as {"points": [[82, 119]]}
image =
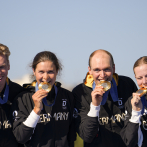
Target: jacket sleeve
{"points": [[129, 133], [86, 126], [20, 111], [72, 133]]}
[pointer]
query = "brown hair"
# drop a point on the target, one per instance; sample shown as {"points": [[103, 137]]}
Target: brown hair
{"points": [[4, 50], [46, 56], [108, 53], [141, 60]]}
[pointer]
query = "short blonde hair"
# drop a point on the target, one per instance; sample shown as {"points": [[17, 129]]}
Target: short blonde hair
{"points": [[140, 61], [4, 50]]}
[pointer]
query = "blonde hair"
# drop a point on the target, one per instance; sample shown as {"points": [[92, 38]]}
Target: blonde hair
{"points": [[140, 61], [4, 50]]}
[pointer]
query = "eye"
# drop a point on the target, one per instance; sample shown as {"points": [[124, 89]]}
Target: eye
{"points": [[50, 72], [96, 70], [40, 71], [139, 78], [107, 70], [1, 67]]}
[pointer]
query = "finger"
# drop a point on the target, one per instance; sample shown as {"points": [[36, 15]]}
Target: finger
{"points": [[97, 92], [136, 94], [99, 87], [137, 100], [41, 92], [100, 91], [39, 95]]}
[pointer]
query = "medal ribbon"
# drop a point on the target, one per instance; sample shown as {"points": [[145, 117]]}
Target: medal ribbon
{"points": [[44, 99], [112, 90], [144, 103], [5, 96]]}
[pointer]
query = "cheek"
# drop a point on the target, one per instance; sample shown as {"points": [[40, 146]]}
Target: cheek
{"points": [[108, 74], [139, 82], [38, 76], [5, 71], [95, 75], [52, 76]]}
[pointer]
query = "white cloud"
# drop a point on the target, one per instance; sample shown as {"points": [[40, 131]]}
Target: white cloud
{"points": [[24, 79]]}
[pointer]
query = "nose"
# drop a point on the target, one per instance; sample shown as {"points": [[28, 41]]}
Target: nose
{"points": [[102, 74], [45, 77]]}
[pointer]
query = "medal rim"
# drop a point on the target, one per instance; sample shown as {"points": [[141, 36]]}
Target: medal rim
{"points": [[108, 84], [45, 83], [143, 93]]}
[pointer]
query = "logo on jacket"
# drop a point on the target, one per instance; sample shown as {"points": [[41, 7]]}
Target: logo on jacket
{"points": [[57, 116], [64, 102], [114, 119], [15, 113], [75, 113], [145, 111], [120, 103]]}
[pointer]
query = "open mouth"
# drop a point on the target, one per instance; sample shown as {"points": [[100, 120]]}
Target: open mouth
{"points": [[47, 81], [143, 86], [103, 80]]}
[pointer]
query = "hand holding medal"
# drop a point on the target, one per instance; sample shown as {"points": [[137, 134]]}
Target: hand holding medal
{"points": [[105, 84], [44, 89], [142, 91], [45, 86], [138, 98], [98, 91]]}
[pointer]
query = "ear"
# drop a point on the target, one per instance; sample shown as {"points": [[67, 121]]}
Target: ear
{"points": [[114, 68], [8, 65], [33, 71], [89, 69]]}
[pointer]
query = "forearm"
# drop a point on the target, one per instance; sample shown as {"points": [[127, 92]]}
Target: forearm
{"points": [[131, 133], [24, 130], [89, 126]]}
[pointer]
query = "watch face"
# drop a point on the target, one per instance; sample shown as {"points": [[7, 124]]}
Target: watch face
{"points": [[46, 86], [142, 91], [105, 84]]}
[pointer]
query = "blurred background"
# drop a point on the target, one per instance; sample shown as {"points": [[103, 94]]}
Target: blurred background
{"points": [[73, 30]]}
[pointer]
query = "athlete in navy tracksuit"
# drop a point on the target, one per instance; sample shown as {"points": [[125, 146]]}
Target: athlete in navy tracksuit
{"points": [[43, 119], [8, 91]]}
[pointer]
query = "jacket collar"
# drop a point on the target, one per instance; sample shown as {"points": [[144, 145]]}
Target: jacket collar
{"points": [[33, 84], [89, 79]]}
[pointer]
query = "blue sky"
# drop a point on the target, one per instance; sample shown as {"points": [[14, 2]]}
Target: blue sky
{"points": [[73, 30]]}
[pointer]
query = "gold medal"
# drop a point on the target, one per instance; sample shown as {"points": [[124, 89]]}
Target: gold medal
{"points": [[105, 84], [142, 91], [46, 86]]}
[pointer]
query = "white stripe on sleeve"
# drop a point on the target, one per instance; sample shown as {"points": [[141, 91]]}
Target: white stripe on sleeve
{"points": [[32, 120], [94, 111]]}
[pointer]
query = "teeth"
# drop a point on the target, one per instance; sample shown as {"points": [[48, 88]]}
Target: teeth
{"points": [[0, 78]]}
